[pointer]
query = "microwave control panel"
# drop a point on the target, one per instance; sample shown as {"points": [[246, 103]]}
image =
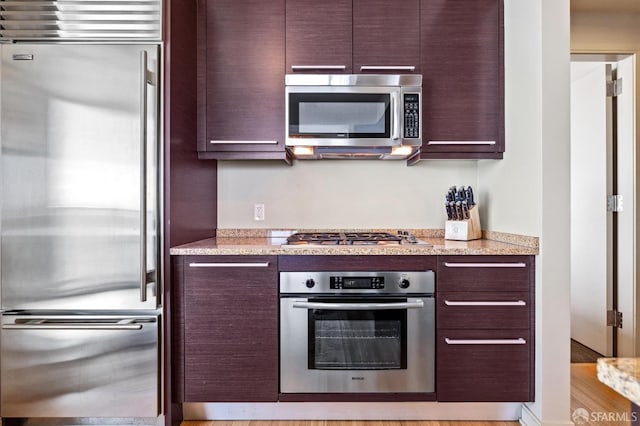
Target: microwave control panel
{"points": [[411, 115]]}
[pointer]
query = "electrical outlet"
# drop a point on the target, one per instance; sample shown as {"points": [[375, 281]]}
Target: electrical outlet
{"points": [[258, 211]]}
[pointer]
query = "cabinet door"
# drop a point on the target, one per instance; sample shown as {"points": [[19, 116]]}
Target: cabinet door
{"points": [[386, 36], [484, 365], [463, 85], [241, 75], [319, 36], [230, 329]]}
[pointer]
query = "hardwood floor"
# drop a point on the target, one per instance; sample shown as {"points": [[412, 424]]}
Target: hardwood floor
{"points": [[587, 393], [580, 353], [345, 423]]}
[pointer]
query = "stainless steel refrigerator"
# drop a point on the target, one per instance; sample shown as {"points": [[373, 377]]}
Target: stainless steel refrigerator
{"points": [[80, 230]]}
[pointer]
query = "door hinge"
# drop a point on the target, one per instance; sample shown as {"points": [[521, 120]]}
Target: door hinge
{"points": [[614, 88], [614, 319], [614, 203]]}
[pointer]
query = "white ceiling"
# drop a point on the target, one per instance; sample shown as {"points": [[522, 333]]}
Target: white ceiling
{"points": [[605, 6]]}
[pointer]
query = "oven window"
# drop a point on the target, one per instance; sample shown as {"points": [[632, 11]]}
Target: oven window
{"points": [[339, 115], [357, 340]]}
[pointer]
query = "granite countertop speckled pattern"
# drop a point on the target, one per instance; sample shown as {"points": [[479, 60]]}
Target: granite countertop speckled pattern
{"points": [[622, 375], [270, 242]]}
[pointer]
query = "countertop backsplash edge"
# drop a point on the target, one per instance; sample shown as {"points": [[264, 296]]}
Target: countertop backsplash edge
{"points": [[271, 242]]}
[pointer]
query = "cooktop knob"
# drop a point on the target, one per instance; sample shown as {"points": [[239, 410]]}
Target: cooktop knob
{"points": [[404, 283], [310, 283]]}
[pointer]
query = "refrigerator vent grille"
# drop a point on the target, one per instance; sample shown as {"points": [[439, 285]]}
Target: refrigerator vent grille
{"points": [[80, 19]]}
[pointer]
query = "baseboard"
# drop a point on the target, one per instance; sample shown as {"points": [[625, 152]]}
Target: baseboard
{"points": [[353, 411], [529, 418]]}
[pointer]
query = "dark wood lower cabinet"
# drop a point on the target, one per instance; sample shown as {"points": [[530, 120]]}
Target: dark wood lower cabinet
{"points": [[490, 366], [230, 329], [485, 326], [225, 311]]}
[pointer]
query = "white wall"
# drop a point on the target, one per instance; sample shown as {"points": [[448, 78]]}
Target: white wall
{"points": [[512, 187], [339, 193]]}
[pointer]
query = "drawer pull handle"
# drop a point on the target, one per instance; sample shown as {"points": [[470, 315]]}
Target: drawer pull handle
{"points": [[518, 341], [242, 142], [485, 265], [318, 67], [387, 68], [229, 265], [485, 303], [461, 143]]}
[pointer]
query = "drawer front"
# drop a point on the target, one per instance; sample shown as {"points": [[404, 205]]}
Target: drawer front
{"points": [[79, 366], [483, 366], [484, 273], [496, 310], [222, 270]]}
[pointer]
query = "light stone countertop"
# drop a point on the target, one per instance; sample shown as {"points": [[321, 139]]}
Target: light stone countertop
{"points": [[272, 242], [622, 375]]}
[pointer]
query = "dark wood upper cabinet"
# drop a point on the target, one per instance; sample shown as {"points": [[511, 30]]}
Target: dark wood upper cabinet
{"points": [[463, 78], [319, 36], [386, 36], [246, 47], [241, 78], [342, 36]]}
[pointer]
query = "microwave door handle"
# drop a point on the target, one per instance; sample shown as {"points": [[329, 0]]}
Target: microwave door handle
{"points": [[359, 306], [395, 119]]}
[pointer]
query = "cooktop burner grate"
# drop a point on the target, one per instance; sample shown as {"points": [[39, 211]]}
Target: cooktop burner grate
{"points": [[335, 238]]}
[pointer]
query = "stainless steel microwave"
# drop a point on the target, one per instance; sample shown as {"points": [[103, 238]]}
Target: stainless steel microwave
{"points": [[359, 116]]}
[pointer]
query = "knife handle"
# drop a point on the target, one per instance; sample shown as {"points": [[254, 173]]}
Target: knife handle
{"points": [[458, 210], [470, 196], [465, 210]]}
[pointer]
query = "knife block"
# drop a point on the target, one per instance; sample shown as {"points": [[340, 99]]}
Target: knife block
{"points": [[464, 230]]}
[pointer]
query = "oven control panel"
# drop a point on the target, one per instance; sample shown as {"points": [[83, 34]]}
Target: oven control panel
{"points": [[355, 283]]}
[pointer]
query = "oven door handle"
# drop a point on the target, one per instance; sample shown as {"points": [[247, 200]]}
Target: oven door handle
{"points": [[359, 306]]}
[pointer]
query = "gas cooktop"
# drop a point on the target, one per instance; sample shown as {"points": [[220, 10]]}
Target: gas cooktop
{"points": [[352, 238]]}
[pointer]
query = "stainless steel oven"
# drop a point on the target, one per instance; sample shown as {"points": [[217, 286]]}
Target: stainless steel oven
{"points": [[357, 332]]}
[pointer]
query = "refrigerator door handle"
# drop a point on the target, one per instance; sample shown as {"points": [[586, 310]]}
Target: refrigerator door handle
{"points": [[143, 176], [45, 324]]}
